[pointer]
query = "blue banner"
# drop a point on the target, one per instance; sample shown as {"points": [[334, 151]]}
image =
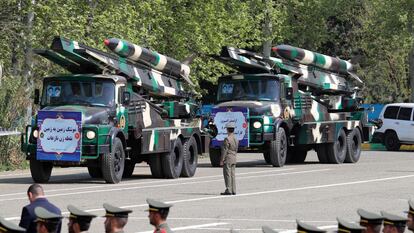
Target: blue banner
{"points": [[239, 116], [60, 136]]}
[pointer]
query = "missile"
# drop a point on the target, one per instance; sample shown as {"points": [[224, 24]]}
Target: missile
{"points": [[140, 54], [307, 57]]}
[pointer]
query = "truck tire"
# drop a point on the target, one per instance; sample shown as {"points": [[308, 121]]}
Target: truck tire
{"points": [[278, 149], [155, 165], [190, 158], [129, 168], [353, 142], [215, 156], [95, 172], [41, 171], [321, 152], [336, 151], [296, 155], [391, 141], [266, 156], [113, 163], [172, 163]]}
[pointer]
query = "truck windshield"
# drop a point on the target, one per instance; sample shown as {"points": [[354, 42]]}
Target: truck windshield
{"points": [[262, 90], [93, 93]]}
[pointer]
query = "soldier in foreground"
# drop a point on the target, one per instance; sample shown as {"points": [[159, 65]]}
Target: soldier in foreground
{"points": [[9, 227], [158, 213], [344, 226], [410, 216], [229, 159], [79, 221], [370, 220], [393, 223], [116, 218], [306, 228], [47, 222]]}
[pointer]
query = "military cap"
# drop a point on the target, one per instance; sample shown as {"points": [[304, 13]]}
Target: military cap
{"points": [[76, 213], [348, 227], [369, 217], [393, 220], [156, 206], [230, 125], [113, 211], [43, 215], [7, 226], [266, 229], [306, 228]]}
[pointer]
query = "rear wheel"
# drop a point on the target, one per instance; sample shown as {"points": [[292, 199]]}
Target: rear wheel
{"points": [[266, 156], [190, 158], [155, 166], [215, 155], [278, 149], [354, 140], [321, 152], [391, 141], [113, 163], [129, 168], [95, 172], [41, 171], [172, 163], [336, 151]]}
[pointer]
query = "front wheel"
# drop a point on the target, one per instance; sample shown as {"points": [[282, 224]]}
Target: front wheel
{"points": [[41, 171], [391, 141], [278, 149], [113, 163]]}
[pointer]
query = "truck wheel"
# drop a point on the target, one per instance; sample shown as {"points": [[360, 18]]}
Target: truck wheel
{"points": [[296, 155], [113, 163], [155, 165], [336, 151], [129, 168], [95, 172], [215, 155], [353, 142], [190, 158], [266, 156], [391, 141], [321, 152], [40, 171], [278, 149], [172, 163]]}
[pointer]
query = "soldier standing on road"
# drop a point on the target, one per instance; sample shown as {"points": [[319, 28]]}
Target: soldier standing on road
{"points": [[158, 213], [370, 220], [228, 159], [79, 221], [410, 216], [116, 218]]}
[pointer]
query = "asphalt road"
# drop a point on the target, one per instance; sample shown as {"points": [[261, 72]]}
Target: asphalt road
{"points": [[312, 192]]}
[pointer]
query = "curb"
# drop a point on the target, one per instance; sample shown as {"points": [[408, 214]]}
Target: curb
{"points": [[381, 147]]}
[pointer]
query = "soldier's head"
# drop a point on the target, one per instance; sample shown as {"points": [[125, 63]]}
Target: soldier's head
{"points": [[393, 223], [116, 218], [306, 228], [47, 222], [230, 127], [79, 220], [34, 191], [371, 221], [410, 216], [348, 227], [157, 211]]}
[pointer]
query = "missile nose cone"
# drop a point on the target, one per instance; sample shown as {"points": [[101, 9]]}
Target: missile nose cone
{"points": [[106, 42]]}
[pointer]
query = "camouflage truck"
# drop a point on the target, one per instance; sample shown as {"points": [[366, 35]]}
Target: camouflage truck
{"points": [[111, 112], [285, 105]]}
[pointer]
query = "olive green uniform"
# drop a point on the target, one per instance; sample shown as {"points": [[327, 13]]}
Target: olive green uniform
{"points": [[228, 156]]}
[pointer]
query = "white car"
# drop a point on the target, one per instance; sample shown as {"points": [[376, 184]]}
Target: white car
{"points": [[395, 126]]}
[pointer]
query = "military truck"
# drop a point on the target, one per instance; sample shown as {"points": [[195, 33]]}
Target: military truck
{"points": [[287, 104], [111, 112]]}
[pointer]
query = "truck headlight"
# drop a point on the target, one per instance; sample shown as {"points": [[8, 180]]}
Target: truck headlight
{"points": [[35, 133], [90, 135], [257, 124]]}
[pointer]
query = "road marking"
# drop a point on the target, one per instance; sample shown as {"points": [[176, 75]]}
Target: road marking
{"points": [[148, 182], [191, 227], [163, 185], [59, 171]]}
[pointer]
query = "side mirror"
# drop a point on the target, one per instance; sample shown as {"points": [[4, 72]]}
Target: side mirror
{"points": [[126, 98], [36, 96]]}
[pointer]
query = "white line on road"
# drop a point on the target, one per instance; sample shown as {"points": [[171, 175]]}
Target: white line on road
{"points": [[191, 227]]}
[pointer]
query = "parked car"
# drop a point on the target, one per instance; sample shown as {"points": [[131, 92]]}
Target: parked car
{"points": [[395, 126]]}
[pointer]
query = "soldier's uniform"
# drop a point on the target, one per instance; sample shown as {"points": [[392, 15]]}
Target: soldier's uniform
{"points": [[410, 216], [266, 229], [79, 216], [47, 217], [162, 208], [116, 212], [9, 227], [393, 221], [371, 221], [306, 228], [348, 227], [229, 159]]}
